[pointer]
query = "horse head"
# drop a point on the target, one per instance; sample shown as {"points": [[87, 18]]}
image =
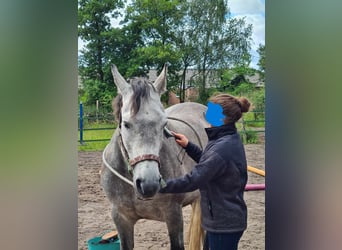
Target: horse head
{"points": [[142, 120]]}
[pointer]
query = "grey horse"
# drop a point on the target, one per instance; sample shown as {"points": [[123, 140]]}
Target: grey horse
{"points": [[141, 155]]}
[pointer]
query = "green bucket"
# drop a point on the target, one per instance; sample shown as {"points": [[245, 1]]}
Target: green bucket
{"points": [[95, 244]]}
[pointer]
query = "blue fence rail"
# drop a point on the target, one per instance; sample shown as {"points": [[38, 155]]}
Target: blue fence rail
{"points": [[110, 117], [81, 123]]}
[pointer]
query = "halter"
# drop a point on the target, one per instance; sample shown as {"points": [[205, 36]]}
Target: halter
{"points": [[131, 163], [140, 158]]}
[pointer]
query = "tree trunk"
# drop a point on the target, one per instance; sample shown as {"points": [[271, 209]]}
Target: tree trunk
{"points": [[182, 90], [99, 48]]}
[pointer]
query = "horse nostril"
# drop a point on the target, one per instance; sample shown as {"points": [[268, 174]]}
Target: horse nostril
{"points": [[139, 186]]}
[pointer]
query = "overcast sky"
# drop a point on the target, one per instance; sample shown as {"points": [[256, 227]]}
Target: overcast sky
{"points": [[253, 10]]}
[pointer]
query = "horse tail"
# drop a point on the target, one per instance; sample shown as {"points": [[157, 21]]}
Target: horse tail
{"points": [[196, 233]]}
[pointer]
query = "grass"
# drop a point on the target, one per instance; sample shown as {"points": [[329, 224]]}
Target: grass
{"points": [[96, 135], [252, 126], [249, 137]]}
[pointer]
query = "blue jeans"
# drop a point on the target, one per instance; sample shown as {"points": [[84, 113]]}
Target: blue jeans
{"points": [[224, 241]]}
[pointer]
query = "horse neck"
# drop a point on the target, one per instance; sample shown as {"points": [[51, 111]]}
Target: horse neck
{"points": [[172, 157], [168, 157]]}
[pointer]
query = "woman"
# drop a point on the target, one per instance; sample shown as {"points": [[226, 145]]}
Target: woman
{"points": [[220, 173]]}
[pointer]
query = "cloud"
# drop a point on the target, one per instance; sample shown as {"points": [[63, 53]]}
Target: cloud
{"points": [[249, 7]]}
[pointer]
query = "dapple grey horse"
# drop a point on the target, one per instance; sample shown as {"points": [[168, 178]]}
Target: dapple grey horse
{"points": [[139, 157]]}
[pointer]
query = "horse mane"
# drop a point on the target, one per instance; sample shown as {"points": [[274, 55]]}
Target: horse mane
{"points": [[141, 91], [117, 105]]}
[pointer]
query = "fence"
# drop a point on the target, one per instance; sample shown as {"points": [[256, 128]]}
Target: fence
{"points": [[88, 119], [244, 128]]}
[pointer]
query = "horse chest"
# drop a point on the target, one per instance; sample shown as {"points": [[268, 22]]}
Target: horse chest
{"points": [[134, 208], [149, 211]]}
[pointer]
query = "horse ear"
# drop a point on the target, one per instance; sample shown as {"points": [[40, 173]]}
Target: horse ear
{"points": [[160, 82], [119, 81]]}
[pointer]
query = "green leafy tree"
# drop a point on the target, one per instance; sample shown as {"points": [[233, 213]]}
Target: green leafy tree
{"points": [[93, 23], [121, 51], [235, 81], [261, 62], [221, 41], [182, 34], [156, 20], [94, 27], [187, 34]]}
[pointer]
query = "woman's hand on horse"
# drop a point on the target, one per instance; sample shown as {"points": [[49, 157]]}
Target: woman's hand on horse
{"points": [[181, 139]]}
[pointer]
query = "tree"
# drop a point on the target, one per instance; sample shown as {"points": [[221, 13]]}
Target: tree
{"points": [[261, 62], [221, 41], [235, 80], [187, 34], [93, 22], [156, 20], [185, 40], [93, 27]]}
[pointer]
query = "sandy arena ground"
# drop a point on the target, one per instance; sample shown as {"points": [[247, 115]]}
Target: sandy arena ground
{"points": [[94, 217]]}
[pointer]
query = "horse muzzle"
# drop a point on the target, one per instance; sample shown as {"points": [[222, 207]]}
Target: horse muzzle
{"points": [[147, 189], [146, 178]]}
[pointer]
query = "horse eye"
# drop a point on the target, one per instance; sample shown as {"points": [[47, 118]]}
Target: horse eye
{"points": [[127, 125]]}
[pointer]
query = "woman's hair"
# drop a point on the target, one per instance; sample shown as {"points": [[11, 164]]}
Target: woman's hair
{"points": [[232, 107]]}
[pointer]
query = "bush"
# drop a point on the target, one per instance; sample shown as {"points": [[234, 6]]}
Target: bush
{"points": [[95, 90], [249, 137], [257, 98]]}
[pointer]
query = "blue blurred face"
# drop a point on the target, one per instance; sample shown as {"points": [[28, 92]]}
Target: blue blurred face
{"points": [[214, 114]]}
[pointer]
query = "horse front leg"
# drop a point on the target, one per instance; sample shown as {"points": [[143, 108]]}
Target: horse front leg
{"points": [[125, 227], [174, 222]]}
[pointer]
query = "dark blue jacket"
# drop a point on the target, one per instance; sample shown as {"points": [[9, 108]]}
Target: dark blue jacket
{"points": [[221, 176]]}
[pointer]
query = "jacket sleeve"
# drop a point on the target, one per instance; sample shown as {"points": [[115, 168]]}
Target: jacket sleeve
{"points": [[193, 151], [201, 174]]}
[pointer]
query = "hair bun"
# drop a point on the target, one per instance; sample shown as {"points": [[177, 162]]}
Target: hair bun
{"points": [[244, 104]]}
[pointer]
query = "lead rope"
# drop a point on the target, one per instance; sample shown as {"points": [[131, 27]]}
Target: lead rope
{"points": [[124, 152], [113, 170]]}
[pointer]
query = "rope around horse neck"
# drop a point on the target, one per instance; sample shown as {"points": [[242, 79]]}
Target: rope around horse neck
{"points": [[113, 170]]}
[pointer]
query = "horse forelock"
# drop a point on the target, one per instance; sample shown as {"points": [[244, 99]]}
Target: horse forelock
{"points": [[141, 91]]}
